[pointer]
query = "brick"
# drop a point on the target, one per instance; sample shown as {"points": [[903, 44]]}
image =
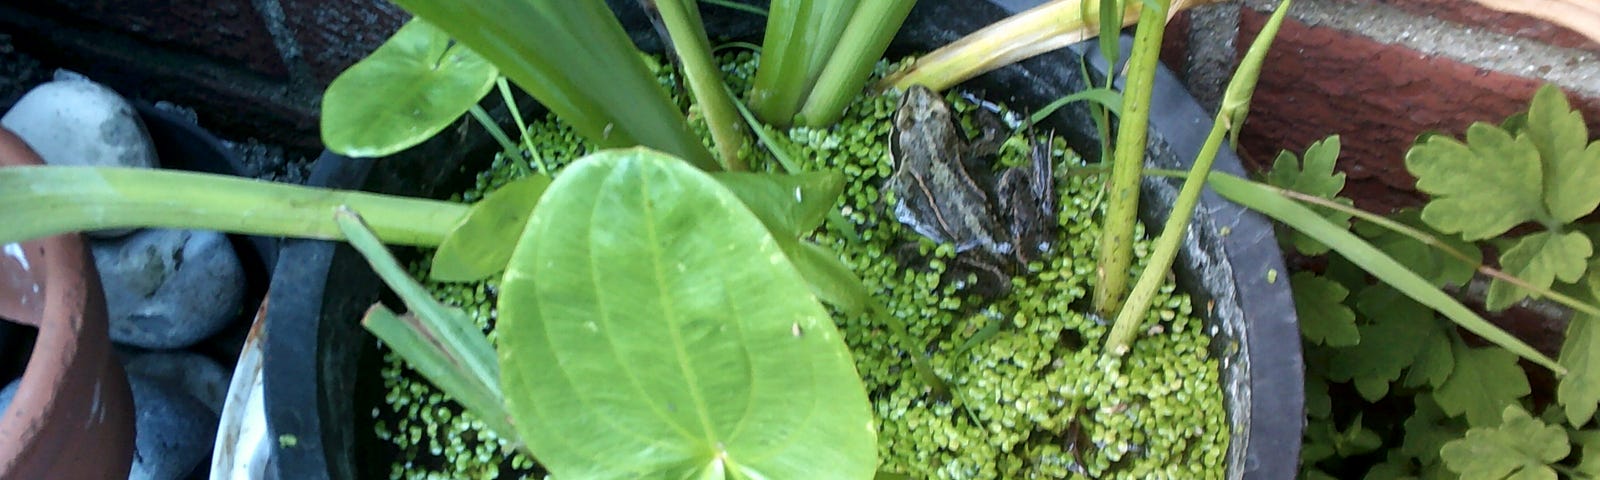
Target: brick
{"points": [[1319, 81], [228, 30], [333, 35], [1467, 12]]}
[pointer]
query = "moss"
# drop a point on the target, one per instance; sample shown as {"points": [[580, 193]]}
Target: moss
{"points": [[1032, 396]]}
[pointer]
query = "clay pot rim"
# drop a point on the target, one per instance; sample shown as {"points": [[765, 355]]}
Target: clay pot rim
{"points": [[72, 356]]}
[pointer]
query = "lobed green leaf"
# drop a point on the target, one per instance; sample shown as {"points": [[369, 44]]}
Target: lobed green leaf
{"points": [[1480, 188], [1521, 447], [1484, 383], [1314, 176], [1579, 390], [1323, 317], [1571, 172], [1540, 259]]}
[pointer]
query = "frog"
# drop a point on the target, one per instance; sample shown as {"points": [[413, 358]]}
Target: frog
{"points": [[944, 187]]}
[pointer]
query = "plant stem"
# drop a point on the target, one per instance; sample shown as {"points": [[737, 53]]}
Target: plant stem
{"points": [[1235, 104], [1114, 261], [507, 147], [865, 39], [42, 201], [800, 36], [682, 18]]}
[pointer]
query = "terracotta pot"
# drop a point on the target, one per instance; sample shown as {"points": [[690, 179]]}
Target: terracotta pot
{"points": [[72, 416]]}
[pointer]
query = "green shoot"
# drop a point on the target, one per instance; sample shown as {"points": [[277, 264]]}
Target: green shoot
{"points": [[865, 39], [1115, 257], [440, 342], [682, 18], [1132, 314], [800, 37]]}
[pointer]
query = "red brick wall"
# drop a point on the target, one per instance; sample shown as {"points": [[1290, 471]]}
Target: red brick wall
{"points": [[1321, 80]]}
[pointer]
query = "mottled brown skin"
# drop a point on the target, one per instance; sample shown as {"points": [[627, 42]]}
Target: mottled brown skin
{"points": [[943, 190]]}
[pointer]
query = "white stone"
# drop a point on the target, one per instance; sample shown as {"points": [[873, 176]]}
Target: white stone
{"points": [[78, 122]]}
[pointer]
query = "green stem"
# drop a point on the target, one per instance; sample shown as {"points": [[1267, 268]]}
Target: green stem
{"points": [[1132, 314], [682, 18], [1115, 258], [865, 39], [902, 335], [507, 147], [800, 36], [42, 201]]}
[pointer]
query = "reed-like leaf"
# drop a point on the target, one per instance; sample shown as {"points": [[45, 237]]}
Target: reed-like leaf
{"points": [[682, 18], [800, 37], [865, 39]]}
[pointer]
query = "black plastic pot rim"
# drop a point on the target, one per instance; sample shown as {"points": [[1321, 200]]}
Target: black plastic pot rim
{"points": [[1226, 263]]}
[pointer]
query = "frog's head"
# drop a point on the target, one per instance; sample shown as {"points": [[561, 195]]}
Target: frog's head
{"points": [[921, 107]]}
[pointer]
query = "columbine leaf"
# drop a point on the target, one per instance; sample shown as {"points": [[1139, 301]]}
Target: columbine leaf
{"points": [[1579, 391], [1314, 176], [1484, 383], [414, 85], [481, 244], [651, 328], [1521, 447], [1589, 464], [1318, 403], [1540, 259], [1571, 172], [1422, 333], [1400, 330], [1323, 317], [1431, 263], [1427, 430], [1481, 188]]}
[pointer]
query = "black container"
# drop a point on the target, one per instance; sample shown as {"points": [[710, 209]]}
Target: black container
{"points": [[314, 344]]}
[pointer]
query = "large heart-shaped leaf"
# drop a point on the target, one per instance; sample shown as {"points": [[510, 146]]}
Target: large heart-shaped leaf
{"points": [[651, 328], [409, 89]]}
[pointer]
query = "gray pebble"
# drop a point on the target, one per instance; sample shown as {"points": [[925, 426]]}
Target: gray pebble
{"points": [[169, 289], [196, 374], [174, 431]]}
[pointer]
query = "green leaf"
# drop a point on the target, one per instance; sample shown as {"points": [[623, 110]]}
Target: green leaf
{"points": [[480, 245], [1315, 176], [650, 327], [789, 205], [1318, 404], [1521, 447], [1438, 267], [1570, 171], [1427, 430], [1396, 466], [1323, 317], [1416, 330], [1485, 382], [1399, 331], [1325, 440], [1589, 464], [829, 278], [1540, 259], [1481, 188], [1579, 391], [410, 88]]}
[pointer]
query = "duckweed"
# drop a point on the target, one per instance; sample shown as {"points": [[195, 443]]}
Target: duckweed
{"points": [[1031, 394]]}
